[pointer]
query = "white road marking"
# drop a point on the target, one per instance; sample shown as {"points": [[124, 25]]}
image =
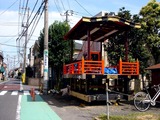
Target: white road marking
{"points": [[5, 86], [3, 92], [21, 86], [18, 108], [37, 92], [26, 92], [14, 93]]}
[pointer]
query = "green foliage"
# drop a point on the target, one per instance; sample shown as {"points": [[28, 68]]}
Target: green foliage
{"points": [[144, 43], [135, 116], [59, 49], [41, 43], [151, 27]]}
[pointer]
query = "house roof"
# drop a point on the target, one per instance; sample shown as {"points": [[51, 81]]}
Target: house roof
{"points": [[101, 28], [157, 66], [78, 46]]}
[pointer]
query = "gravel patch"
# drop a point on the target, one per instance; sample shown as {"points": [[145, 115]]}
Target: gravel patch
{"points": [[70, 108]]}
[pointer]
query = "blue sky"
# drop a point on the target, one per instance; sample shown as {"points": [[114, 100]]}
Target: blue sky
{"points": [[9, 17]]}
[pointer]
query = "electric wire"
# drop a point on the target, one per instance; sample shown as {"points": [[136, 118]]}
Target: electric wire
{"points": [[8, 35], [62, 5], [24, 31], [25, 11], [68, 4], [11, 45], [8, 8], [9, 40], [58, 9], [83, 8], [35, 25], [33, 9]]}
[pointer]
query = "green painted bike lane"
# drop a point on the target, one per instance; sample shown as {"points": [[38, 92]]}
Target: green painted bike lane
{"points": [[36, 110]]}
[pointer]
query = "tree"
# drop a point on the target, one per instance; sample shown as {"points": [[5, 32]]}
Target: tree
{"points": [[144, 42], [150, 15], [137, 49], [59, 49]]}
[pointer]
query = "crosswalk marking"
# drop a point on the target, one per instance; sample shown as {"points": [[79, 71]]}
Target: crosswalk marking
{"points": [[26, 93], [37, 92], [14, 93], [3, 92]]}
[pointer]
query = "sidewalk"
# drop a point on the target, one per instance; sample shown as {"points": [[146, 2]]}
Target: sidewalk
{"points": [[36, 110]]}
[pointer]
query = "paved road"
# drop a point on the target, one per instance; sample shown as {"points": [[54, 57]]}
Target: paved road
{"points": [[8, 100], [65, 108], [16, 103]]}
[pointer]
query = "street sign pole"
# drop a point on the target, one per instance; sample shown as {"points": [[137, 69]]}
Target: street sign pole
{"points": [[107, 101]]}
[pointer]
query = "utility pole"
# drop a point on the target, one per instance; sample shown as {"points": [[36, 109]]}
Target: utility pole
{"points": [[25, 48], [68, 13], [45, 53], [14, 61]]}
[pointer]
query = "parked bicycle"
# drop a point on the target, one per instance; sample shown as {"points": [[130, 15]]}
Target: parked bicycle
{"points": [[143, 100]]}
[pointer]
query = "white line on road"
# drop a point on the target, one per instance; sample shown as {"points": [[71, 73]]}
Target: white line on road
{"points": [[21, 87], [37, 92], [14, 93], [18, 108], [26, 93], [3, 92]]}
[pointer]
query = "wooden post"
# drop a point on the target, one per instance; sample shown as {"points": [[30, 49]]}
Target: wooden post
{"points": [[88, 41], [120, 65], [102, 66], [33, 95], [107, 101], [82, 65], [126, 47], [137, 67]]}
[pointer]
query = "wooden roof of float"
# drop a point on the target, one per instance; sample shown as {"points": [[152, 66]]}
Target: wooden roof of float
{"points": [[157, 66], [100, 28]]}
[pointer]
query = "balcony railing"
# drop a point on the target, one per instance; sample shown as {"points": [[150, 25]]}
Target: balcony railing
{"points": [[97, 67], [84, 66], [129, 68]]}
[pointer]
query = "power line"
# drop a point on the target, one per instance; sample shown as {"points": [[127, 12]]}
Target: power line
{"points": [[10, 45], [68, 4], [62, 5], [10, 51], [8, 8], [9, 40], [33, 9], [83, 8], [25, 11], [35, 25], [8, 35], [58, 9], [24, 31]]}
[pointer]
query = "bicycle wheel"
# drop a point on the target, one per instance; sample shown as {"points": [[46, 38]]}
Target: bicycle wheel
{"points": [[141, 101]]}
